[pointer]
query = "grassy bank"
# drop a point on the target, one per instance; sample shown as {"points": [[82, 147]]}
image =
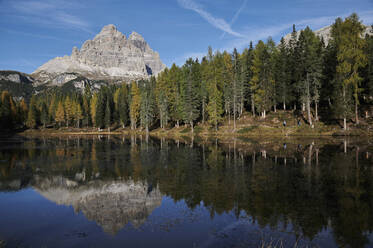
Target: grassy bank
{"points": [[247, 126]]}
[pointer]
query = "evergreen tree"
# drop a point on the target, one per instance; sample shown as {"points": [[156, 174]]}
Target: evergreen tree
{"points": [[123, 105], [237, 88], [309, 68], [135, 105], [148, 103], [281, 74], [100, 109], [78, 113], [60, 114], [44, 118], [87, 118], [23, 111], [262, 81], [190, 92], [351, 57], [6, 112], [93, 108], [32, 114], [68, 110], [228, 78], [108, 113], [368, 72], [215, 105]]}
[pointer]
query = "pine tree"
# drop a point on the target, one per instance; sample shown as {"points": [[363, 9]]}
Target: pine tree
{"points": [[23, 111], [68, 110], [228, 78], [215, 105], [93, 108], [60, 114], [6, 112], [135, 105], [281, 74], [148, 103], [368, 72], [87, 118], [236, 89], [123, 105], [351, 57], [190, 92], [78, 113], [108, 113], [44, 118], [32, 114], [101, 108], [203, 91], [262, 83], [309, 68]]}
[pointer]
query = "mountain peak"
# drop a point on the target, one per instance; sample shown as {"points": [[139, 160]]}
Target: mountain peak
{"points": [[109, 55], [136, 36], [109, 28]]}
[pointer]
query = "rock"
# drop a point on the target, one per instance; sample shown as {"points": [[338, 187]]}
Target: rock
{"points": [[110, 55], [325, 33]]}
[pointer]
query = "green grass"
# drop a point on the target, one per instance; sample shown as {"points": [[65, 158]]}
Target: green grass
{"points": [[186, 130], [247, 129]]}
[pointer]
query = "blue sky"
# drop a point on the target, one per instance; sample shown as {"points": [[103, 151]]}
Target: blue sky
{"points": [[35, 31]]}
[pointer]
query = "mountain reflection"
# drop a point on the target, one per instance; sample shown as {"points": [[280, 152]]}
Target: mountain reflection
{"points": [[111, 204], [310, 185]]}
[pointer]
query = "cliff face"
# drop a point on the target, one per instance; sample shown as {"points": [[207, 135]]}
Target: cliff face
{"points": [[110, 55], [112, 205]]}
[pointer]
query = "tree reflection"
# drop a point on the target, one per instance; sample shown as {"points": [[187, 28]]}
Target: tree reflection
{"points": [[309, 185]]}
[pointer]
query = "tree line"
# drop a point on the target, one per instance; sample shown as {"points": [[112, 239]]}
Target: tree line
{"points": [[333, 81]]}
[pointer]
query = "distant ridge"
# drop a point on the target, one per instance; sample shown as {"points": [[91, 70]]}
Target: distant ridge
{"points": [[325, 33]]}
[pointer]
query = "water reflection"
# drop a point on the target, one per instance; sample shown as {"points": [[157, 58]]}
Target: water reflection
{"points": [[309, 186], [111, 204]]}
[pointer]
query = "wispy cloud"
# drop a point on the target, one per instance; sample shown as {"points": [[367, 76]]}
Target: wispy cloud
{"points": [[41, 36], [46, 12], [218, 23], [235, 17]]}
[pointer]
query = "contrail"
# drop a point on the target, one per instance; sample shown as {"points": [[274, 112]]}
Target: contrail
{"points": [[235, 17], [214, 21]]}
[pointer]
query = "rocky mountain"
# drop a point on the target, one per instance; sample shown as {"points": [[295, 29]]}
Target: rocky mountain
{"points": [[110, 55], [111, 204], [325, 33], [18, 83]]}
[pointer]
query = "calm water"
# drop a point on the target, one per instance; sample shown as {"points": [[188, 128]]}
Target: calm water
{"points": [[135, 192]]}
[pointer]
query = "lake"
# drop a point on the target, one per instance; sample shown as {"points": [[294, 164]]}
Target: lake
{"points": [[135, 191]]}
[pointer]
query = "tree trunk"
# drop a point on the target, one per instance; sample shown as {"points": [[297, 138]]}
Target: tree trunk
{"points": [[252, 105], [191, 125], [264, 114], [274, 107], [284, 105], [344, 124], [234, 111], [309, 112], [203, 110], [316, 111], [303, 107], [356, 113]]}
